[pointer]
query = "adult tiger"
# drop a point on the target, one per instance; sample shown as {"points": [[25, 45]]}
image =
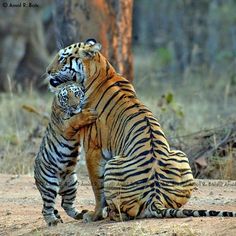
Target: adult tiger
{"points": [[56, 160], [126, 143]]}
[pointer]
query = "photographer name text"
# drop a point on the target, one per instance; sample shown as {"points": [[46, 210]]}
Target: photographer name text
{"points": [[20, 4]]}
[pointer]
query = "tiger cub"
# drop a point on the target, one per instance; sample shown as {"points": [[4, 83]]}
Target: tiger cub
{"points": [[55, 163]]}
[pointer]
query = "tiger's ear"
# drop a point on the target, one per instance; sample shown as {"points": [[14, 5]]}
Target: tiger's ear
{"points": [[91, 41], [97, 47], [93, 46]]}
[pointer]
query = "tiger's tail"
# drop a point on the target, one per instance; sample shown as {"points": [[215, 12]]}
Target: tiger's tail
{"points": [[182, 213]]}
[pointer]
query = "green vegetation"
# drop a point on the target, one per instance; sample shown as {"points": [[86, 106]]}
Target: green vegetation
{"points": [[196, 100]]}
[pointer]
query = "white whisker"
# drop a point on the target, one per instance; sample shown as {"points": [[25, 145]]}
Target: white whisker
{"points": [[43, 75]]}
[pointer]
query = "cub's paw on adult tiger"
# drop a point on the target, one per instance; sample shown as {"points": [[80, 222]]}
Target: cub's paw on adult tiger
{"points": [[85, 117], [89, 115]]}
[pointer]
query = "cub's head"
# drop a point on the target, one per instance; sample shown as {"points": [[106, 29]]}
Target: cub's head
{"points": [[69, 99], [70, 63]]}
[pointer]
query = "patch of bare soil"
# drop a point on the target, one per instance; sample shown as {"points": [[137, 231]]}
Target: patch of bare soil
{"points": [[20, 212]]}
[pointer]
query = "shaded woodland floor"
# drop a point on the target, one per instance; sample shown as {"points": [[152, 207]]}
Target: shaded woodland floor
{"points": [[20, 212]]}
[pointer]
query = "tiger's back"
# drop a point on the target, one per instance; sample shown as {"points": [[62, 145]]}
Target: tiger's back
{"points": [[147, 171]]}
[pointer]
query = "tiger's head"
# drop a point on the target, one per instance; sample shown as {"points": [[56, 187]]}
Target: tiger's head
{"points": [[69, 99], [72, 63]]}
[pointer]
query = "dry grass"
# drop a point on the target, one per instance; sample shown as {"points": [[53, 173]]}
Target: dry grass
{"points": [[21, 131], [221, 168]]}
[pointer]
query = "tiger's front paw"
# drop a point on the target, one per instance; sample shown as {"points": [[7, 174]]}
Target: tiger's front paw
{"points": [[88, 217], [85, 117], [113, 215], [80, 215], [89, 116], [91, 216], [105, 212]]}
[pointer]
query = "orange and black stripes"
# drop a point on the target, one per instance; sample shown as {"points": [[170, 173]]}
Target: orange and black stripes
{"points": [[131, 167]]}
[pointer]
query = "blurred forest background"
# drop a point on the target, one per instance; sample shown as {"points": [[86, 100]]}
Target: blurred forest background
{"points": [[180, 56]]}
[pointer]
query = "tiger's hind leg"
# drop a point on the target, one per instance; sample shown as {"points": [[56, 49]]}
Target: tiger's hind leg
{"points": [[49, 193], [184, 183], [119, 206], [68, 192]]}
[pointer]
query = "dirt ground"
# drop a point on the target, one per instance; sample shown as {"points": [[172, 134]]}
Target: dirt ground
{"points": [[20, 212]]}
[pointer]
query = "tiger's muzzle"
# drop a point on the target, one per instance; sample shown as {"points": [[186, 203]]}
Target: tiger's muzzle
{"points": [[56, 81]]}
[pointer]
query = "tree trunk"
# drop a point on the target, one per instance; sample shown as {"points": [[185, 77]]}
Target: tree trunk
{"points": [[108, 21]]}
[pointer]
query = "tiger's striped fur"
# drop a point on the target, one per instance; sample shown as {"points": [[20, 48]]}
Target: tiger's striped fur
{"points": [[56, 160], [130, 164], [154, 195]]}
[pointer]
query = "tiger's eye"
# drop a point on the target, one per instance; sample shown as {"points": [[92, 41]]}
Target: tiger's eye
{"points": [[54, 82]]}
